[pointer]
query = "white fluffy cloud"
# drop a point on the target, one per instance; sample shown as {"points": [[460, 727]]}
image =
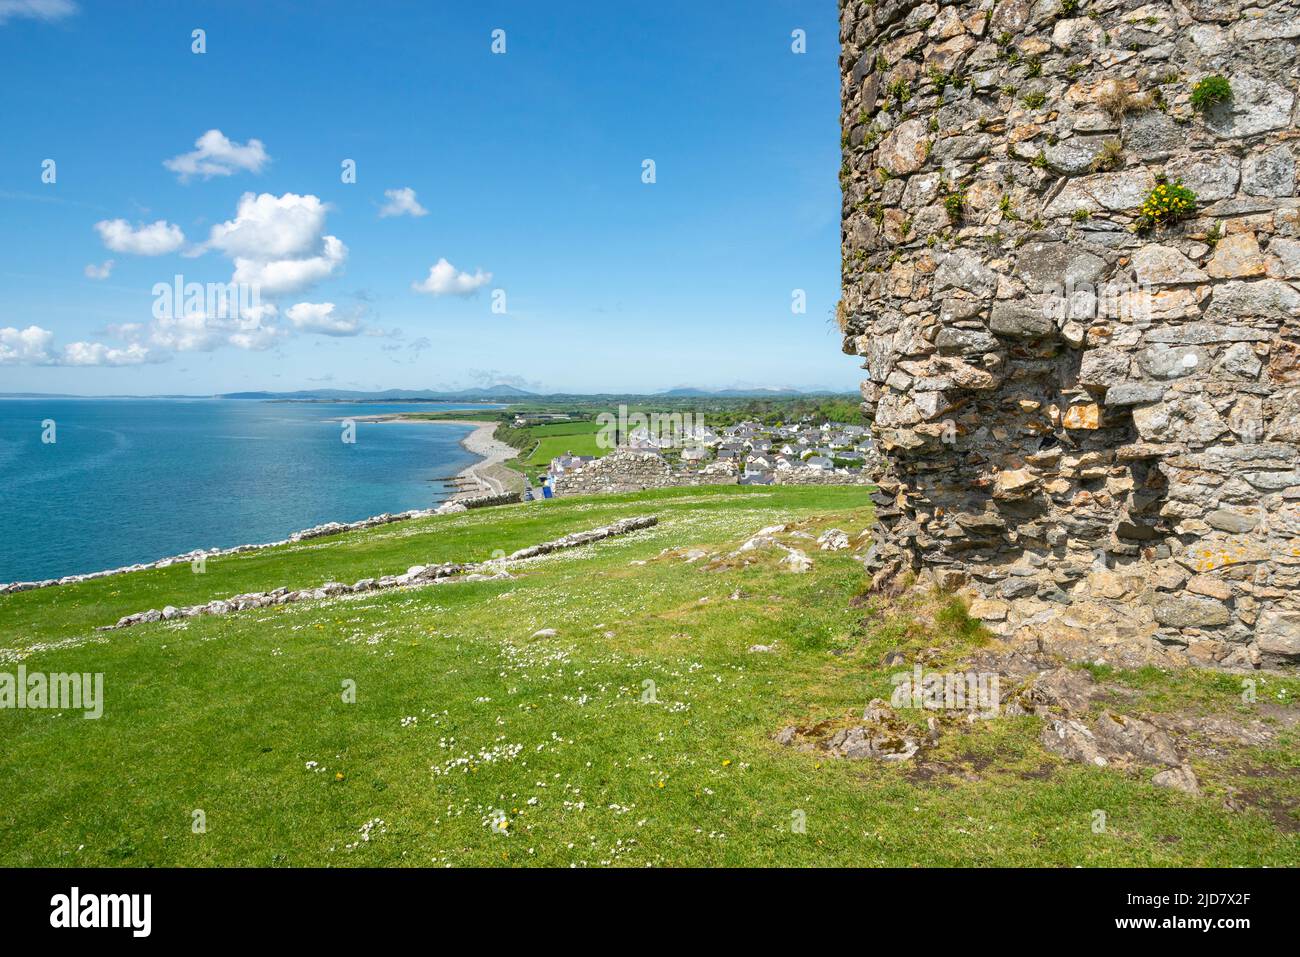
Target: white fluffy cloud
{"points": [[402, 202], [276, 242], [217, 155], [186, 333], [156, 239], [47, 10], [319, 317], [280, 276], [444, 280], [30, 346], [98, 354], [102, 271], [254, 329], [251, 329], [271, 227], [204, 327], [34, 346]]}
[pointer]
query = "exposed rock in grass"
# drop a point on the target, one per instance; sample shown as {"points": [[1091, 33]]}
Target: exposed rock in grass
{"points": [[1066, 689], [796, 560], [1181, 778], [1212, 735], [882, 735], [832, 540], [1072, 740], [1133, 738], [758, 541]]}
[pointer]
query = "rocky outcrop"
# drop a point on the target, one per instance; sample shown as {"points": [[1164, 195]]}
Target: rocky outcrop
{"points": [[1086, 383], [882, 735]]}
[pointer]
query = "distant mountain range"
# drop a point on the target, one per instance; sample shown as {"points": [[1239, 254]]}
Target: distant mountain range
{"points": [[692, 391], [387, 395]]}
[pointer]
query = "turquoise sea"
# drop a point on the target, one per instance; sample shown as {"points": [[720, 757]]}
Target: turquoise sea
{"points": [[135, 480]]}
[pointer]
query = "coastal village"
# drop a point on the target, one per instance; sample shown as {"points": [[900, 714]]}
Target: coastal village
{"points": [[668, 451], [755, 453]]}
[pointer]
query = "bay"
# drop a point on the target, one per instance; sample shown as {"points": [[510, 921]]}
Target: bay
{"points": [[135, 480]]}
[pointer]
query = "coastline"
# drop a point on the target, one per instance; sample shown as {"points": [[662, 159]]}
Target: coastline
{"points": [[486, 474], [316, 531], [489, 475]]}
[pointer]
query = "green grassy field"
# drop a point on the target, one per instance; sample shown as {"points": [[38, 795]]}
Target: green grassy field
{"points": [[546, 442], [462, 718], [578, 438]]}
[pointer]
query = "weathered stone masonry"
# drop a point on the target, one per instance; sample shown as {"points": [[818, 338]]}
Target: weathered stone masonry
{"points": [[632, 471], [1126, 467]]}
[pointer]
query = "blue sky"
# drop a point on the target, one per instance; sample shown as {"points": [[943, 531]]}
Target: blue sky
{"points": [[527, 168]]}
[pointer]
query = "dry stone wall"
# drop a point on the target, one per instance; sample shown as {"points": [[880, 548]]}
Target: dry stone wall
{"points": [[630, 471], [1090, 405], [809, 476], [486, 500]]}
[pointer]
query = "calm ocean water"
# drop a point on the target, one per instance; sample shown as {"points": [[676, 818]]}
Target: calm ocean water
{"points": [[134, 480]]}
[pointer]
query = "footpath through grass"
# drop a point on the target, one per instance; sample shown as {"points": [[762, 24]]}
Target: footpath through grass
{"points": [[639, 733]]}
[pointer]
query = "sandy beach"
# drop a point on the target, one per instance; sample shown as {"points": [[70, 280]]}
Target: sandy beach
{"points": [[488, 476]]}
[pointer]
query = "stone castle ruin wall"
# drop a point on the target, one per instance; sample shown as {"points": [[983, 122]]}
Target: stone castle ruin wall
{"points": [[1091, 421]]}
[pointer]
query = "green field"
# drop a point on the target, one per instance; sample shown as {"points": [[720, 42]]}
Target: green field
{"points": [[559, 439], [464, 717]]}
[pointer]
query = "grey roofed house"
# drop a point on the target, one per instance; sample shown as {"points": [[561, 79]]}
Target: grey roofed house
{"points": [[726, 453], [562, 463], [694, 453], [642, 441], [818, 462]]}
